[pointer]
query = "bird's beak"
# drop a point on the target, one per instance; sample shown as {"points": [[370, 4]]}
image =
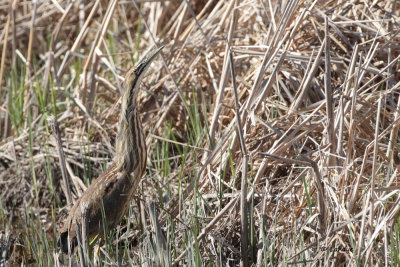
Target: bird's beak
{"points": [[141, 69]]}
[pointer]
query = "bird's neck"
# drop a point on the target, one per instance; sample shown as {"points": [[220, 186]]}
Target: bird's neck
{"points": [[130, 143]]}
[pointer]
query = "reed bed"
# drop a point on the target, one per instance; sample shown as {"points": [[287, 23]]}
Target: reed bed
{"points": [[272, 130]]}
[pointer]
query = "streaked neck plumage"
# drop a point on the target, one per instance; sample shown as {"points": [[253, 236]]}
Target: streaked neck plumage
{"points": [[130, 143]]}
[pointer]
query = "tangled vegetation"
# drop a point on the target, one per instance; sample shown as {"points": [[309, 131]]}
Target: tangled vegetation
{"points": [[272, 130]]}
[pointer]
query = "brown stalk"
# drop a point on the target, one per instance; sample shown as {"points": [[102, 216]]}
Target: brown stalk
{"points": [[329, 98], [57, 135], [244, 261]]}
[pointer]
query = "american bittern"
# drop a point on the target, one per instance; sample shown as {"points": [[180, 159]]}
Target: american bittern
{"points": [[112, 191]]}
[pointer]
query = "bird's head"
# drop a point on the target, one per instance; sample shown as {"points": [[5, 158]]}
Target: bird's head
{"points": [[134, 76]]}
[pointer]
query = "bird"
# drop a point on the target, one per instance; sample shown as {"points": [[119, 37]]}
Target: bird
{"points": [[111, 193]]}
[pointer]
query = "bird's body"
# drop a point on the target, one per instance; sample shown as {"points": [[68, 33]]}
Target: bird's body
{"points": [[111, 193]]}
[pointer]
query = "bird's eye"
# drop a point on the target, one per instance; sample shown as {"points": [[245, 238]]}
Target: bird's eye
{"points": [[139, 68]]}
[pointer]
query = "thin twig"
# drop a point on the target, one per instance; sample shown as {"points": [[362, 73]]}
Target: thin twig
{"points": [[244, 261], [56, 133]]}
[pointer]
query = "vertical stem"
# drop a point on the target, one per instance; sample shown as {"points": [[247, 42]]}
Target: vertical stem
{"points": [[328, 96], [56, 132], [372, 209], [243, 190]]}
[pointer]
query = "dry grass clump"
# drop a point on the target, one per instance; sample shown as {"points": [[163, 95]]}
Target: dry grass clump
{"points": [[272, 128]]}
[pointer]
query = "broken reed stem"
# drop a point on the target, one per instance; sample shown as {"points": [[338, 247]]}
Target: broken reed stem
{"points": [[56, 133], [394, 132], [224, 76], [160, 240], [373, 197], [80, 247], [329, 98], [243, 186], [3, 55], [92, 92], [82, 236], [29, 53]]}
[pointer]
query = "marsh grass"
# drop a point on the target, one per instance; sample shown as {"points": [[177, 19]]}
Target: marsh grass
{"points": [[317, 96]]}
